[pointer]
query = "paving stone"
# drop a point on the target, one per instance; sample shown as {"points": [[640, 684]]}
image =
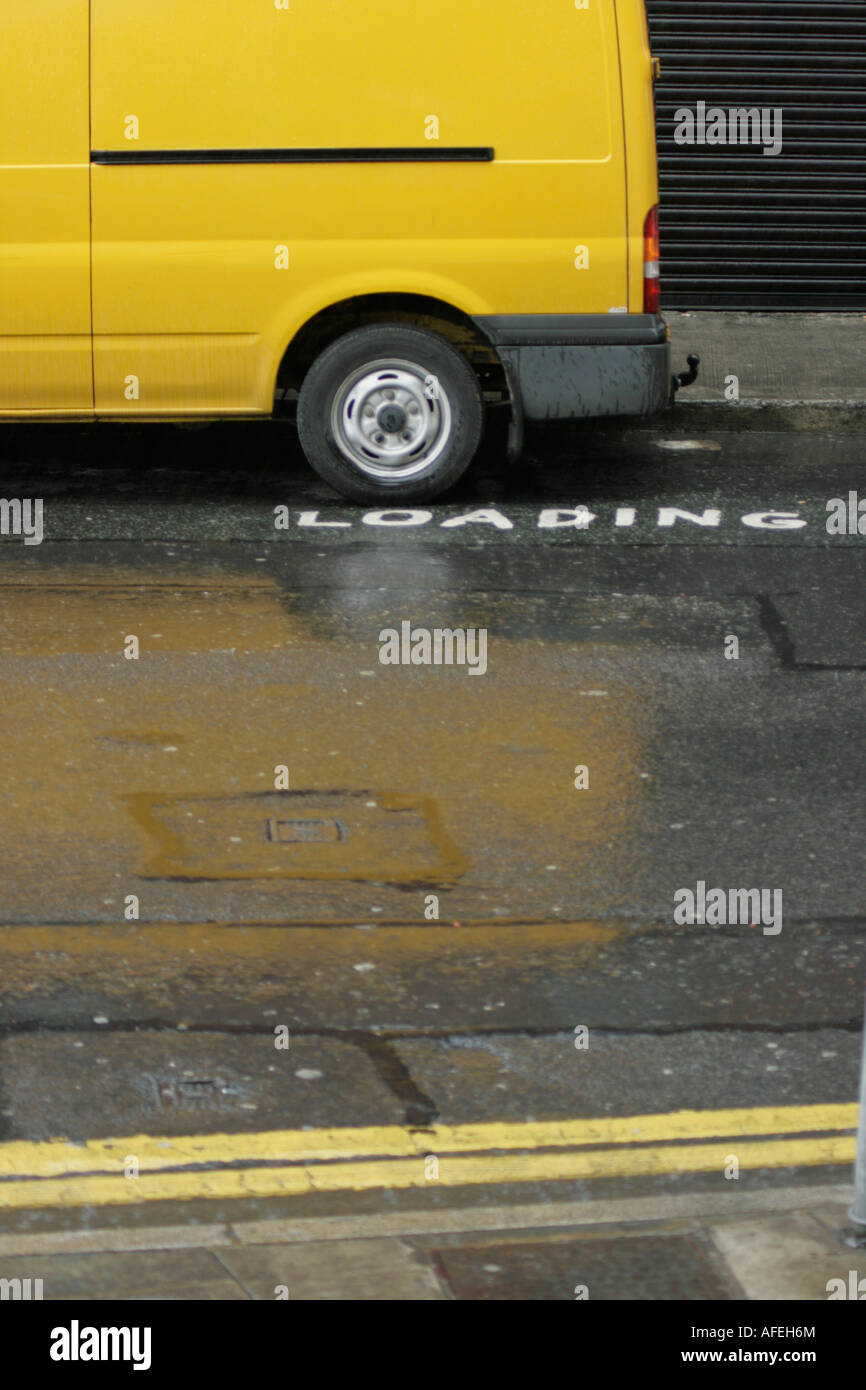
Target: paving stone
{"points": [[334, 1270], [787, 1257], [833, 1216], [185, 1275]]}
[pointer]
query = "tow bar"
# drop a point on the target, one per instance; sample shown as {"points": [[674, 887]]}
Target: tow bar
{"points": [[680, 379]]}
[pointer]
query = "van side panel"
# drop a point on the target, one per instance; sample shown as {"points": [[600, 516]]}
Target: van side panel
{"points": [[204, 271], [45, 349], [639, 120]]}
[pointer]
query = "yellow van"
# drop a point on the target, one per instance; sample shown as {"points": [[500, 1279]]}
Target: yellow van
{"points": [[391, 219]]}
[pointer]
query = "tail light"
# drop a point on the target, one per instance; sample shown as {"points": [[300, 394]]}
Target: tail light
{"points": [[651, 287]]}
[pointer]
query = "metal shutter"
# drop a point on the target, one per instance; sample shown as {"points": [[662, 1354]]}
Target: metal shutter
{"points": [[740, 230]]}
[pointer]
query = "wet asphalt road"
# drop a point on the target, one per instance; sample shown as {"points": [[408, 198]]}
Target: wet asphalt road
{"points": [[259, 649]]}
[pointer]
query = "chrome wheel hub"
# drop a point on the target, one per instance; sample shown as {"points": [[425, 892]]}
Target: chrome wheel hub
{"points": [[391, 419]]}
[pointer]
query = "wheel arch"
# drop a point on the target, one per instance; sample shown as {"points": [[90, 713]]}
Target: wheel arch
{"points": [[416, 310]]}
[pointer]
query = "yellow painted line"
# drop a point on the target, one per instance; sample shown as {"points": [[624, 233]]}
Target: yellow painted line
{"points": [[455, 1171], [644, 1129], [58, 1157]]}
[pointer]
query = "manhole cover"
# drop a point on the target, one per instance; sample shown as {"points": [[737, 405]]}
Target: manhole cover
{"points": [[364, 835]]}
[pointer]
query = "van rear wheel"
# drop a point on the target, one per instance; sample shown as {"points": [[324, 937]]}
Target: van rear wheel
{"points": [[390, 412]]}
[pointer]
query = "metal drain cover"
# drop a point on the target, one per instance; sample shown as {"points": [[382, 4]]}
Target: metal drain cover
{"points": [[186, 1093], [305, 832], [635, 1268]]}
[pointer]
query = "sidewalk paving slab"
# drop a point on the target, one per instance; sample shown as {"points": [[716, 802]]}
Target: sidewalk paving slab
{"points": [[639, 1251], [793, 371]]}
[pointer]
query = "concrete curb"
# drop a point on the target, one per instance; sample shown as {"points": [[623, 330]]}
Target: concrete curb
{"points": [[816, 417]]}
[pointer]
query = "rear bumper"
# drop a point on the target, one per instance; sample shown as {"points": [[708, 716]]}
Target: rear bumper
{"points": [[573, 366]]}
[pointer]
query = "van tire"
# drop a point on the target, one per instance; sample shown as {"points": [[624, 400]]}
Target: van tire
{"points": [[375, 426]]}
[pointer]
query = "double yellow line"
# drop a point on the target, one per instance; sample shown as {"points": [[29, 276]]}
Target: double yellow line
{"points": [[144, 1168]]}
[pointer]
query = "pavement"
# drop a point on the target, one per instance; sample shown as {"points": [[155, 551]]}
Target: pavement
{"points": [[785, 1247], [466, 1050], [771, 371]]}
